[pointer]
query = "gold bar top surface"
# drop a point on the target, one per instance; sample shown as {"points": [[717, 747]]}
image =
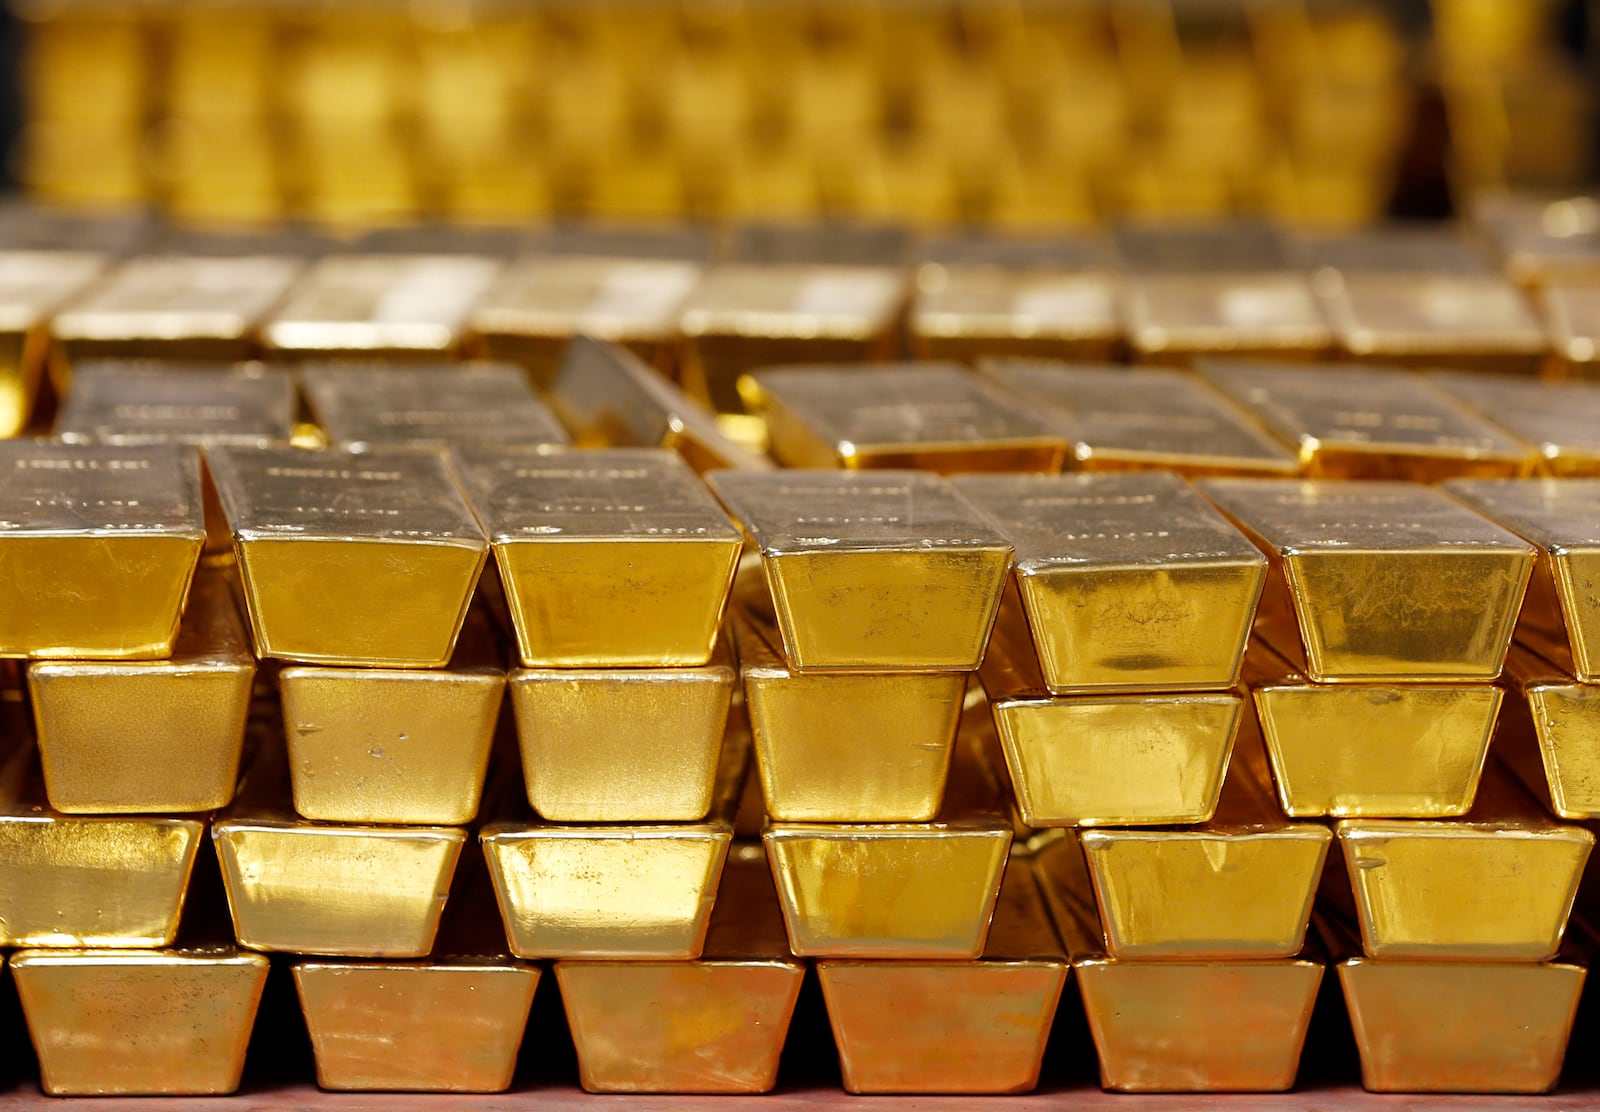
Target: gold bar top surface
{"points": [[51, 489], [794, 300], [145, 402], [1560, 419], [32, 283], [176, 298], [427, 406], [615, 298], [1269, 311], [1557, 515]]}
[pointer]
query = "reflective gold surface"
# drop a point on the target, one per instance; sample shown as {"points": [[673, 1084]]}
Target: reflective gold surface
{"points": [[99, 549], [714, 1025], [884, 571], [610, 559], [1560, 419], [1117, 418], [111, 1022], [1572, 318], [1386, 581], [350, 558], [1474, 322], [150, 735], [148, 402], [953, 1026], [1129, 581], [1550, 735], [969, 307], [32, 285], [366, 405], [923, 416], [1173, 317], [1350, 422]]}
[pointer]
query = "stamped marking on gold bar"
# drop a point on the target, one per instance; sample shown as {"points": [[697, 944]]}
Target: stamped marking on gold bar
{"points": [[146, 402], [1560, 419]]}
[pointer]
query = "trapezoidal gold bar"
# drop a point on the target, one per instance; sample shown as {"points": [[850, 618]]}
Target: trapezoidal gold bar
{"points": [[361, 406], [145, 401], [1271, 314], [1541, 239], [101, 545], [610, 559], [33, 285], [976, 1026], [1383, 581], [124, 1023], [1128, 581], [923, 416], [1117, 418], [1560, 419], [887, 571], [713, 1025], [1549, 735], [1350, 422], [150, 735], [351, 558]]}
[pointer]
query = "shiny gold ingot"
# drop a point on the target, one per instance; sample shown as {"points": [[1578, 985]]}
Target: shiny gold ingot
{"points": [[953, 1026], [1182, 1025], [1117, 418], [1572, 322], [1389, 750], [115, 1023], [609, 398], [924, 416], [880, 571], [1496, 886], [1128, 581], [713, 1025], [1384, 581], [1351, 422], [362, 406], [540, 303], [1561, 616], [33, 283], [1542, 240], [1550, 735], [350, 558], [100, 545], [1465, 321], [863, 747], [150, 735], [379, 305], [1560, 419], [745, 314], [127, 402], [610, 559], [1173, 317]]}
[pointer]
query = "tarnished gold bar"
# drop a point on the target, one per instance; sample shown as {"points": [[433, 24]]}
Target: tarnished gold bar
{"points": [[1117, 418], [125, 1023], [1549, 735], [1351, 422], [887, 571], [150, 735], [713, 1025], [1572, 323], [138, 401], [1103, 759], [363, 406], [1495, 886], [351, 558], [1180, 1026], [1561, 616], [1129, 581], [609, 398], [1269, 314], [351, 891], [1560, 419], [33, 285], [1386, 750], [610, 559], [395, 745], [391, 306], [924, 416], [863, 747], [100, 545], [953, 1026], [1383, 581]]}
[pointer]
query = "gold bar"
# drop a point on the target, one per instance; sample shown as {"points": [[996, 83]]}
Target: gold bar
{"points": [[1383, 581], [1542, 240], [1129, 581], [1391, 750], [1495, 886], [713, 1025], [33, 285], [1190, 248], [610, 559], [1560, 617], [610, 399], [1180, 1026], [120, 1023], [371, 306], [434, 406], [1572, 322], [1352, 422], [954, 1026], [887, 571], [351, 558], [1174, 317], [138, 402], [1559, 419], [1547, 735], [923, 416], [100, 545], [150, 735], [1117, 418]]}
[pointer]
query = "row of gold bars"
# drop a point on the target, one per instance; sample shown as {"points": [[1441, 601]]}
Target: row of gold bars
{"points": [[1021, 112], [1137, 646]]}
